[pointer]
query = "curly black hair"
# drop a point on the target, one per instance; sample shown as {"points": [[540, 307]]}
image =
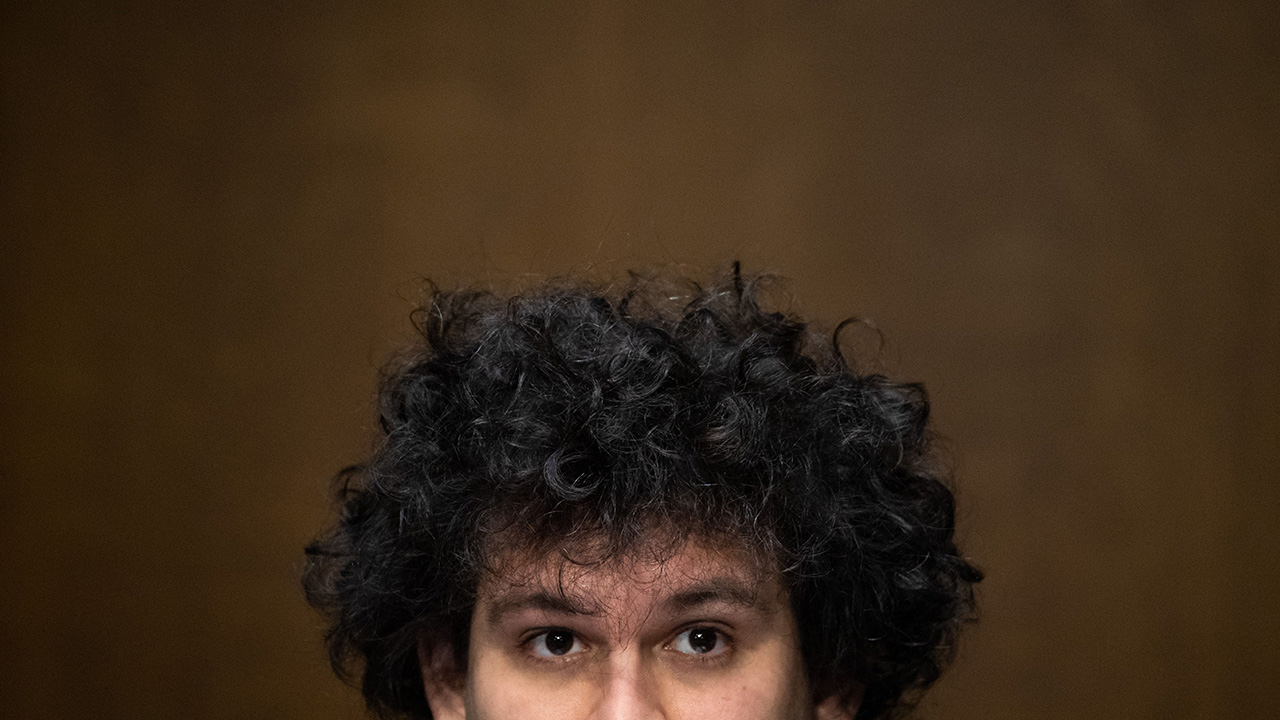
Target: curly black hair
{"points": [[658, 402]]}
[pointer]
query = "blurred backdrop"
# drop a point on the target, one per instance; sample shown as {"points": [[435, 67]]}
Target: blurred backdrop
{"points": [[1063, 215]]}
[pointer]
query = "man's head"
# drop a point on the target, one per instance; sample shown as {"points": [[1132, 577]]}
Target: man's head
{"points": [[658, 501]]}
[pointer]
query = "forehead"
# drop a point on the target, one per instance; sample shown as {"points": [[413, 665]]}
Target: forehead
{"points": [[688, 572]]}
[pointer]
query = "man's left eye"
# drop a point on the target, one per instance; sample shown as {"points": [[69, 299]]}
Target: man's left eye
{"points": [[702, 641]]}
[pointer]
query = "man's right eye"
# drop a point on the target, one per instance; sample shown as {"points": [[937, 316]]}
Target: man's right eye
{"points": [[555, 643]]}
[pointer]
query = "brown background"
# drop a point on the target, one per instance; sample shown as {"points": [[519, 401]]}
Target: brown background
{"points": [[1063, 215]]}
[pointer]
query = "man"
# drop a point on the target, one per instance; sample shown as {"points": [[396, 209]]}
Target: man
{"points": [[663, 501]]}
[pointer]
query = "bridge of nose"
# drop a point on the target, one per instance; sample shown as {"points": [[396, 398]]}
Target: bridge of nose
{"points": [[629, 688]]}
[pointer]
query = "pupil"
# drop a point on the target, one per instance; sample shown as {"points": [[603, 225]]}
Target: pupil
{"points": [[702, 640], [559, 642]]}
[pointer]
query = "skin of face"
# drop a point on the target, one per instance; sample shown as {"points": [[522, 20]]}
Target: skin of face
{"points": [[702, 634]]}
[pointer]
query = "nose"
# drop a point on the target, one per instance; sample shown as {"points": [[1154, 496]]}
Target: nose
{"points": [[629, 692]]}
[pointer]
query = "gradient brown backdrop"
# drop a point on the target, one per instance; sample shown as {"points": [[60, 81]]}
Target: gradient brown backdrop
{"points": [[1063, 215]]}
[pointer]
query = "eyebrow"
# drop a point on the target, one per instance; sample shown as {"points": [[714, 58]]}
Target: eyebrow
{"points": [[715, 591], [540, 600]]}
